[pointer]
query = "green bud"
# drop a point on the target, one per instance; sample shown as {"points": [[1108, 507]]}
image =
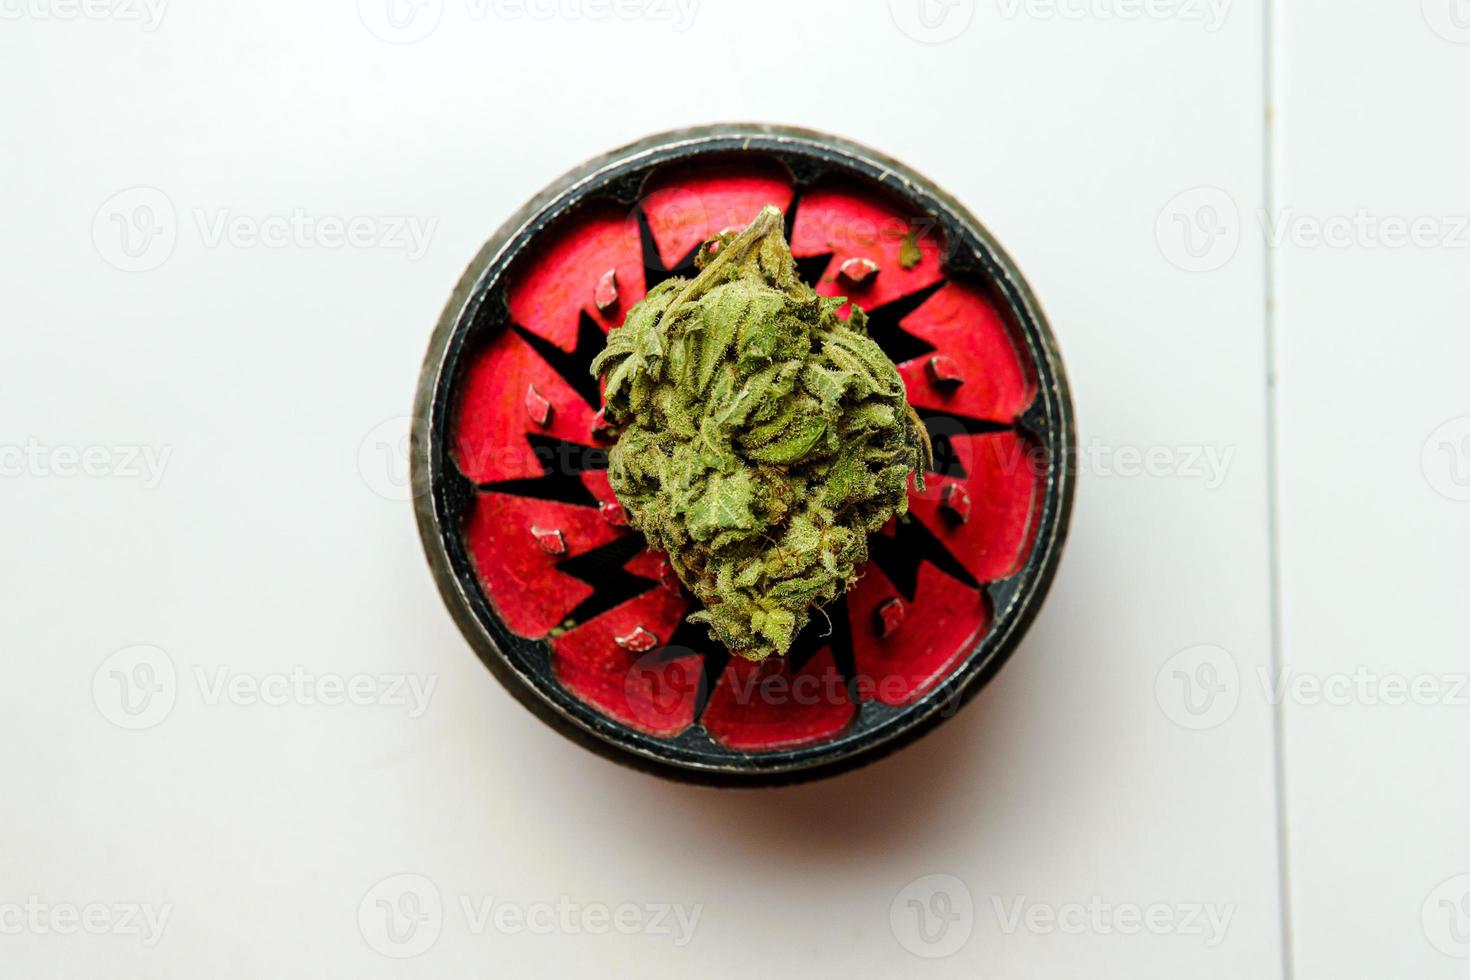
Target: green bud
{"points": [[763, 438]]}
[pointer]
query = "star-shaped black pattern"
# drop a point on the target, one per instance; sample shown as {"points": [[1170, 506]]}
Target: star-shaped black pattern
{"points": [[603, 568], [885, 325], [574, 366], [612, 584], [943, 429], [562, 466], [655, 272]]}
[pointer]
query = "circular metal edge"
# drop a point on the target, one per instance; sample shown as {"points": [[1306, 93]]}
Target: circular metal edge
{"points": [[1036, 574]]}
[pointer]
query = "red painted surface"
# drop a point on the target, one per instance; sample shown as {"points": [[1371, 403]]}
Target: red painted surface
{"points": [[967, 329], [947, 619], [754, 707], [688, 206], [854, 222], [520, 580], [629, 686], [1004, 487], [561, 278], [766, 706], [490, 435]]}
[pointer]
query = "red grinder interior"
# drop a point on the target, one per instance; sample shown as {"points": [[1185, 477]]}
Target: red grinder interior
{"points": [[551, 547]]}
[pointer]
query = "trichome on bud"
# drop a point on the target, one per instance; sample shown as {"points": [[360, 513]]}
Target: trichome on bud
{"points": [[763, 437]]}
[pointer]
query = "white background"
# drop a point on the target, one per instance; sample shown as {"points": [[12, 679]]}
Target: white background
{"points": [[1204, 194]]}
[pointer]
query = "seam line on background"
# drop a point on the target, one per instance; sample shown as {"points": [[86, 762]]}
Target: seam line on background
{"points": [[1273, 485]]}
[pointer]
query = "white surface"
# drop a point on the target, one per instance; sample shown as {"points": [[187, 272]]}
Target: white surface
{"points": [[276, 536], [1375, 475]]}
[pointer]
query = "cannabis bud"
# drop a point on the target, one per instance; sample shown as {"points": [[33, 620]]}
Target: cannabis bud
{"points": [[764, 438]]}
